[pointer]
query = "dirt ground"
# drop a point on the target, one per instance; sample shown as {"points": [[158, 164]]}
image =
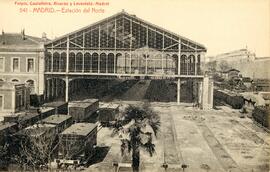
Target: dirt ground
{"points": [[210, 141]]}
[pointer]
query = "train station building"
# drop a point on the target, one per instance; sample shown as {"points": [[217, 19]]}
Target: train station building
{"points": [[22, 61], [125, 46]]}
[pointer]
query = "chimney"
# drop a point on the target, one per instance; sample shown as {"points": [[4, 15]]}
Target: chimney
{"points": [[23, 34], [44, 36]]}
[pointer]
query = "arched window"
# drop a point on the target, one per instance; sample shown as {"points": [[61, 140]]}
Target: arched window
{"points": [[110, 63], [175, 60], [103, 62], [72, 62], [95, 63], [31, 84], [56, 59], [127, 62], [79, 62], [183, 66], [118, 62], [199, 64], [63, 62], [191, 66], [87, 62]]}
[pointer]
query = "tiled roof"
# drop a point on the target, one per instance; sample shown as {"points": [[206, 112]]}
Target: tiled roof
{"points": [[16, 41]]}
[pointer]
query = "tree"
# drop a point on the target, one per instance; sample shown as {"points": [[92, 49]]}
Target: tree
{"points": [[35, 146], [135, 129], [224, 66], [4, 157], [212, 66]]}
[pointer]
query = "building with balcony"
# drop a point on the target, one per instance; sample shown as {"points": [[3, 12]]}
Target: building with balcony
{"points": [[21, 60]]}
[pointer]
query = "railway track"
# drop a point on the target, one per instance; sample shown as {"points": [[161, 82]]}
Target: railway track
{"points": [[171, 152], [221, 154]]}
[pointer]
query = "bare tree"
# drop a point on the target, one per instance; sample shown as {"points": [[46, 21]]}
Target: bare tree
{"points": [[4, 156], [36, 147]]}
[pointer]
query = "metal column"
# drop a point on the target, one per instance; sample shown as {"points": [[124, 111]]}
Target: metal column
{"points": [[67, 60], [178, 90], [67, 88], [178, 72]]}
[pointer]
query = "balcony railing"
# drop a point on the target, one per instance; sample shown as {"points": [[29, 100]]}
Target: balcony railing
{"points": [[156, 67]]}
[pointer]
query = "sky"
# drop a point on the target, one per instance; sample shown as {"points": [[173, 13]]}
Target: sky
{"points": [[220, 25]]}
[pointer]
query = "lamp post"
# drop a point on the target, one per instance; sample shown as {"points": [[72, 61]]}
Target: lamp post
{"points": [[184, 166], [115, 164], [165, 166]]}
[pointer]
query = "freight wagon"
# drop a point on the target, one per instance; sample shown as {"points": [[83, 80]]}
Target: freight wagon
{"points": [[261, 114], [25, 119], [107, 113], [61, 121], [60, 107], [77, 144], [82, 110], [233, 99]]}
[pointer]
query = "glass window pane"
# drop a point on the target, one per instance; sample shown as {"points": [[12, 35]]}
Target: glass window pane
{"points": [[30, 65], [15, 64]]}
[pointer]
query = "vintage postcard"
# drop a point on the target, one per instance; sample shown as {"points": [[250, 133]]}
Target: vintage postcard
{"points": [[138, 85]]}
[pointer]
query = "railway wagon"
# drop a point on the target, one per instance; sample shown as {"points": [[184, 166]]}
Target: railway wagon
{"points": [[77, 144], [107, 113], [60, 107], [234, 100], [25, 119], [82, 110], [61, 121], [261, 114]]}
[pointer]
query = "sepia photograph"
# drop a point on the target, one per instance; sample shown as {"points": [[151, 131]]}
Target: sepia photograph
{"points": [[135, 86]]}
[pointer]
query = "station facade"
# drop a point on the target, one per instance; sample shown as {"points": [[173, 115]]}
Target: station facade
{"points": [[122, 46], [125, 46]]}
